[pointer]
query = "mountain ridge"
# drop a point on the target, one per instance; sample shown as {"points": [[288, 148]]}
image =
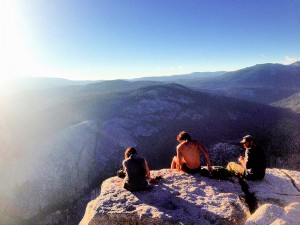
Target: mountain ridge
{"points": [[194, 75], [264, 83]]}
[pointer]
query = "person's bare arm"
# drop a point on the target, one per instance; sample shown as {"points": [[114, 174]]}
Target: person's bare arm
{"points": [[242, 161], [179, 155], [124, 168], [206, 155], [147, 170]]}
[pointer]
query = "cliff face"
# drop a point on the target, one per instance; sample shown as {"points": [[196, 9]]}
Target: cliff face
{"points": [[193, 199]]}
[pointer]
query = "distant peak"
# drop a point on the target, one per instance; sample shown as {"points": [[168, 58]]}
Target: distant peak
{"points": [[295, 64]]}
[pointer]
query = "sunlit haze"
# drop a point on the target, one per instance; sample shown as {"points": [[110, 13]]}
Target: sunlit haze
{"points": [[96, 40]]}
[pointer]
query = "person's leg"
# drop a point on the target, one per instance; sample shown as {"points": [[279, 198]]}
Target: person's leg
{"points": [[174, 162], [236, 168]]}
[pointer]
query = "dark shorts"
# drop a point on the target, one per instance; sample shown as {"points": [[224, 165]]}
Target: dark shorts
{"points": [[184, 168], [140, 188]]}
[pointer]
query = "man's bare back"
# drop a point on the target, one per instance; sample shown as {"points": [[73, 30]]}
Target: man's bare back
{"points": [[188, 153]]}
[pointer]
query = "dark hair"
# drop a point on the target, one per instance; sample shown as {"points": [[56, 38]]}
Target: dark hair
{"points": [[183, 136], [129, 151]]}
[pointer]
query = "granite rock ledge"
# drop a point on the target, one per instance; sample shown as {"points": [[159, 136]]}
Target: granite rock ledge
{"points": [[193, 199]]}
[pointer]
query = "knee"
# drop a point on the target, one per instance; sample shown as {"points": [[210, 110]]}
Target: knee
{"points": [[230, 165], [174, 159], [174, 162]]}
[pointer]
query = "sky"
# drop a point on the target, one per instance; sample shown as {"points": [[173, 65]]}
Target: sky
{"points": [[123, 39]]}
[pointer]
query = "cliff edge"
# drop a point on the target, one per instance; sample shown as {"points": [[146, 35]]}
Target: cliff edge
{"points": [[193, 199]]}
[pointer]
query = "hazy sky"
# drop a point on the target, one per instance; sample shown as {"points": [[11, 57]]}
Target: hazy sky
{"points": [[109, 39]]}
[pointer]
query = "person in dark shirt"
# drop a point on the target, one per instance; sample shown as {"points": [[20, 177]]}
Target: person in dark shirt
{"points": [[137, 171], [253, 165]]}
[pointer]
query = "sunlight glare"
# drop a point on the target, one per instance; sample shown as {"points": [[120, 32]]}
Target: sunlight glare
{"points": [[15, 56]]}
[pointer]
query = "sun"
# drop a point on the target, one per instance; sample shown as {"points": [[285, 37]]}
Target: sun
{"points": [[15, 54]]}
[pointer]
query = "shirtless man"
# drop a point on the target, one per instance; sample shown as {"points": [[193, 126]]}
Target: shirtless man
{"points": [[188, 155]]}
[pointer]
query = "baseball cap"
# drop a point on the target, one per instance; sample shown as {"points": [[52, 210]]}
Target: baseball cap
{"points": [[247, 138]]}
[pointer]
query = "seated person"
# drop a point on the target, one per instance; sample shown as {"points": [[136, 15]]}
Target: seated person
{"points": [[188, 155], [137, 171], [253, 165]]}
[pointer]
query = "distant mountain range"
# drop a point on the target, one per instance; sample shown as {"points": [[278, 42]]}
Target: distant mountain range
{"points": [[268, 75], [295, 64], [265, 83], [37, 83], [264, 76], [191, 76]]}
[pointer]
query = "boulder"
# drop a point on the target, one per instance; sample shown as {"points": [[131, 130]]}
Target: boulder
{"points": [[273, 214]]}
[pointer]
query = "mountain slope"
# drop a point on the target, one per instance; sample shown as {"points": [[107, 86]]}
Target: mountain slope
{"points": [[264, 75], [265, 83], [292, 103], [296, 63]]}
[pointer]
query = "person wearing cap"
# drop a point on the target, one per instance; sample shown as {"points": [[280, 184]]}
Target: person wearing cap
{"points": [[188, 155], [253, 165]]}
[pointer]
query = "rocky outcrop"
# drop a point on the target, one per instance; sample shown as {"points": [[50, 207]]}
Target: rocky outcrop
{"points": [[193, 199], [280, 187], [273, 214]]}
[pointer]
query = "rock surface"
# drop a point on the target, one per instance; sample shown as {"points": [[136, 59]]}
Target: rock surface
{"points": [[278, 187], [179, 198], [272, 214], [193, 199]]}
